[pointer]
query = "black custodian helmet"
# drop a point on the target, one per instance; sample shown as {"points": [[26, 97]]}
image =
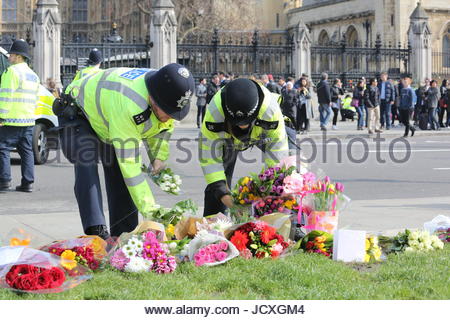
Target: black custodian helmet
{"points": [[240, 100], [172, 88], [95, 57], [20, 47]]}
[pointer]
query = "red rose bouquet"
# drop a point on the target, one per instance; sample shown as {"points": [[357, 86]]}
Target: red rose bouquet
{"points": [[88, 251], [258, 239], [31, 270]]}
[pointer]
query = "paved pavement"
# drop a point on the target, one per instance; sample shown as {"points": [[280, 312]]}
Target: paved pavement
{"points": [[386, 193]]}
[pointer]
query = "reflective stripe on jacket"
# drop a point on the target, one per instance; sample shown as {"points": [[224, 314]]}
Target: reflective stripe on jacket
{"points": [[19, 95]]}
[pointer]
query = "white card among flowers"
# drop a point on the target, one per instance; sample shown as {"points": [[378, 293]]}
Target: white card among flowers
{"points": [[349, 245]]}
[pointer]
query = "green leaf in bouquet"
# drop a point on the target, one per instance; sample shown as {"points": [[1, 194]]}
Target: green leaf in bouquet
{"points": [[272, 242], [254, 246]]}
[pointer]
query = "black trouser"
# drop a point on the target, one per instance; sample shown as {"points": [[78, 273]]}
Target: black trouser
{"points": [[200, 115], [212, 204], [405, 116], [394, 113], [81, 147], [442, 112], [335, 117], [302, 120]]}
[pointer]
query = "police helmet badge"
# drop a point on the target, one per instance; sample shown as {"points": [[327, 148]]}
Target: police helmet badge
{"points": [[184, 100], [184, 72]]}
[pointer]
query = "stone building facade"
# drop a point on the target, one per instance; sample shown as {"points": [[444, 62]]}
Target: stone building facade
{"points": [[82, 19], [362, 20]]}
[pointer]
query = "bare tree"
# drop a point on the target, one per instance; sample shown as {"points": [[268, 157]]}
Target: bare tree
{"points": [[202, 16]]}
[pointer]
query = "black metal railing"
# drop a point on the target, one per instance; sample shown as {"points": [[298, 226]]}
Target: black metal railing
{"points": [[74, 56], [352, 62], [243, 53], [441, 65]]}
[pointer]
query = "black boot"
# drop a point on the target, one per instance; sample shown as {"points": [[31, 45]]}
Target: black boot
{"points": [[5, 186], [100, 230], [413, 130], [25, 187]]}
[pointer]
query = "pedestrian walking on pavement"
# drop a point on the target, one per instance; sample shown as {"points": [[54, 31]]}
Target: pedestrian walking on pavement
{"points": [[444, 103], [336, 94], [19, 87], [358, 103], [433, 96], [324, 98], [372, 101], [408, 101]]}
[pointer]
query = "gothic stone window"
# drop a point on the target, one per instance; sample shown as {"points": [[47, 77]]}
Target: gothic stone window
{"points": [[446, 47], [9, 10], [80, 10]]}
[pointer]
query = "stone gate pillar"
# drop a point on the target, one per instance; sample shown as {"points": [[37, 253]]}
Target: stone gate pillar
{"points": [[47, 38], [163, 34], [302, 50], [419, 36]]}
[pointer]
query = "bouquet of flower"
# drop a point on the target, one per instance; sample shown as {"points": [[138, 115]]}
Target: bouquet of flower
{"points": [[320, 242], [409, 241], [210, 249], [142, 253], [30, 270], [327, 196], [218, 222], [373, 251], [166, 180], [171, 216], [258, 239], [89, 251]]}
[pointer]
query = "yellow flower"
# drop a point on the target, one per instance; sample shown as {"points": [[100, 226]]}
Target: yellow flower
{"points": [[367, 258], [68, 259], [170, 230], [242, 202], [367, 244], [289, 204], [245, 181], [320, 239], [320, 245]]}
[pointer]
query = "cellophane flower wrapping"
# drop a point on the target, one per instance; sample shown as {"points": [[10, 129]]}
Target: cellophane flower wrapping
{"points": [[211, 249], [89, 251], [165, 179], [317, 241], [24, 269], [143, 251], [18, 237]]}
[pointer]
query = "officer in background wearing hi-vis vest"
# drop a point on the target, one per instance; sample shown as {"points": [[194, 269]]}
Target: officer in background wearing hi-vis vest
{"points": [[94, 62], [19, 87], [118, 109], [240, 115]]}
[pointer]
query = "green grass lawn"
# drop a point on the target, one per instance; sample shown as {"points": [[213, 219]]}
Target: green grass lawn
{"points": [[303, 276]]}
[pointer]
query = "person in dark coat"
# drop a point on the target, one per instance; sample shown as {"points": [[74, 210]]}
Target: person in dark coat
{"points": [[289, 105], [408, 100], [372, 101], [358, 95], [387, 99], [433, 96], [324, 98], [212, 88]]}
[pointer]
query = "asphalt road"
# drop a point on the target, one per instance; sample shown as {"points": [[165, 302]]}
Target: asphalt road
{"points": [[385, 194]]}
